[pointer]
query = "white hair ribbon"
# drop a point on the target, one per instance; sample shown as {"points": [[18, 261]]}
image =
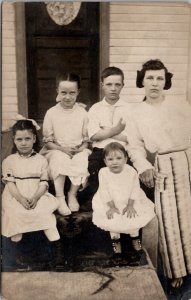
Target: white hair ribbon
{"points": [[20, 117]]}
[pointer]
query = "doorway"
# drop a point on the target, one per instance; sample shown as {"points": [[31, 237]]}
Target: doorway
{"points": [[52, 49]]}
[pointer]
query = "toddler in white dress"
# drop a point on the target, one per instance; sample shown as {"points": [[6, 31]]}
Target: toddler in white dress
{"points": [[120, 206], [65, 137]]}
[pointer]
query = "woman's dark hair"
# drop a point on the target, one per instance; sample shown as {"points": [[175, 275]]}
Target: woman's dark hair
{"points": [[112, 147], [112, 71], [25, 125], [154, 64], [68, 77]]}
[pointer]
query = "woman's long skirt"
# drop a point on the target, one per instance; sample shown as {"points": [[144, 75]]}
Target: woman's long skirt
{"points": [[173, 208]]}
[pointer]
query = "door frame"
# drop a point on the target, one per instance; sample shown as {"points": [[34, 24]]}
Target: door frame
{"points": [[21, 62]]}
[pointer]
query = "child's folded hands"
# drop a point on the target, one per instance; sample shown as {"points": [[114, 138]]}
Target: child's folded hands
{"points": [[24, 202]]}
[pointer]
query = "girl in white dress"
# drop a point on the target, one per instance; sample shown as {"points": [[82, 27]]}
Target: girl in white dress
{"points": [[120, 206], [65, 137], [26, 204]]}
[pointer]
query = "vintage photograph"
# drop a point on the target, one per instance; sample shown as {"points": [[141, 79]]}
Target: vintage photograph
{"points": [[96, 150]]}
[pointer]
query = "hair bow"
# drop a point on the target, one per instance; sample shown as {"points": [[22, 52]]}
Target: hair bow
{"points": [[20, 117]]}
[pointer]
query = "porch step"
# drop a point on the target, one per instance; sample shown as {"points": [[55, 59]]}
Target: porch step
{"points": [[84, 246]]}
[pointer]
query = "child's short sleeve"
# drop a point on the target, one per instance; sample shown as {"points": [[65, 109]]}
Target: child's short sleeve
{"points": [[7, 170], [48, 133], [44, 172]]}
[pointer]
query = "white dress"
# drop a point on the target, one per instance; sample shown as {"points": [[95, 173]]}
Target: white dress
{"points": [[120, 188], [27, 173], [67, 128]]}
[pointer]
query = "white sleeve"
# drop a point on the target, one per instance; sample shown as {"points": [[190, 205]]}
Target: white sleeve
{"points": [[136, 147], [104, 188], [85, 129], [48, 133], [44, 173], [93, 122], [7, 170]]}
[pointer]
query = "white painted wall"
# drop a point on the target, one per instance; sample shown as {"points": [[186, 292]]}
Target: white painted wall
{"points": [[9, 75], [141, 31]]}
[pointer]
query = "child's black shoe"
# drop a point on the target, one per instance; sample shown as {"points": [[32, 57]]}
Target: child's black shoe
{"points": [[116, 244], [136, 243]]}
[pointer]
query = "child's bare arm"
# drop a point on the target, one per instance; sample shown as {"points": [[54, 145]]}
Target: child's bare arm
{"points": [[17, 195], [129, 209], [107, 132]]}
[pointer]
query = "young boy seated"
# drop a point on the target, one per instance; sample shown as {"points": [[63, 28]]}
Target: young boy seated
{"points": [[106, 121]]}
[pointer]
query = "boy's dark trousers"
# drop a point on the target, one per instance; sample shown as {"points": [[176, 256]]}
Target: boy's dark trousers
{"points": [[95, 163]]}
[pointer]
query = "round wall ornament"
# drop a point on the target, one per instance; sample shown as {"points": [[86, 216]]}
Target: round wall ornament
{"points": [[63, 13]]}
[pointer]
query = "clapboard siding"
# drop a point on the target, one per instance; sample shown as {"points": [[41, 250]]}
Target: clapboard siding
{"points": [[150, 43], [146, 8], [148, 26], [139, 32], [142, 58], [148, 18], [150, 51], [149, 34], [9, 75]]}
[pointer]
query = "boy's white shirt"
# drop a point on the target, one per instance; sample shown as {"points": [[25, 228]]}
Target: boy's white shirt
{"points": [[103, 114]]}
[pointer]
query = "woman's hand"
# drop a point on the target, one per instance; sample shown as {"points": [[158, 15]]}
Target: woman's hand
{"points": [[130, 211], [147, 177], [111, 212]]}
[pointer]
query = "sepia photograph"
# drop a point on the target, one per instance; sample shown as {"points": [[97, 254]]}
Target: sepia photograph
{"points": [[95, 150]]}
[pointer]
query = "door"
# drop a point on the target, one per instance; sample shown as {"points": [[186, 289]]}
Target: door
{"points": [[52, 49]]}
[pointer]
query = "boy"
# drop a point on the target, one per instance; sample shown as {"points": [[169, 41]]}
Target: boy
{"points": [[106, 122]]}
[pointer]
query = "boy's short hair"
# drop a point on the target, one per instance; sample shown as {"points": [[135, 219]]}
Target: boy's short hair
{"points": [[112, 147], [112, 71]]}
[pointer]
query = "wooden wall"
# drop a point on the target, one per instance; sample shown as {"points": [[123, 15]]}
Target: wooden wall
{"points": [[9, 74], [141, 31]]}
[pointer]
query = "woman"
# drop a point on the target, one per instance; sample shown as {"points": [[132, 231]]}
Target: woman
{"points": [[163, 126]]}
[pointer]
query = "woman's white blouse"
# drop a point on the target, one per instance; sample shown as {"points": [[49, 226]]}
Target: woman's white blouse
{"points": [[157, 128]]}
